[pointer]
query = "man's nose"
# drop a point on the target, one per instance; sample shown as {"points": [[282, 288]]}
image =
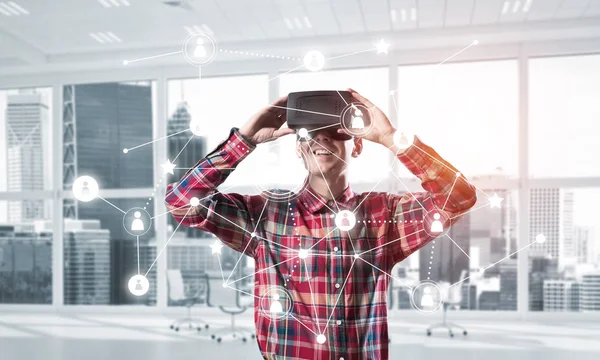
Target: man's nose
{"points": [[321, 135]]}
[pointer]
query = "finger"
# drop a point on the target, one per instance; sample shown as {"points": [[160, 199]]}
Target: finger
{"points": [[360, 98], [282, 132]]}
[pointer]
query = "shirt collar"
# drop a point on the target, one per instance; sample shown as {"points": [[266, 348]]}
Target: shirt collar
{"points": [[315, 202]]}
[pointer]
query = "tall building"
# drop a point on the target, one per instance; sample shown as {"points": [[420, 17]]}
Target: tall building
{"points": [[28, 154], [25, 264], [185, 150], [100, 120], [448, 260], [551, 214], [558, 295], [582, 239], [541, 268], [590, 292], [87, 263], [508, 285]]}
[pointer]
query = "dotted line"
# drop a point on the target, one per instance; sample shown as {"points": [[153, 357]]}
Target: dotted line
{"points": [[259, 55], [431, 260], [154, 192]]}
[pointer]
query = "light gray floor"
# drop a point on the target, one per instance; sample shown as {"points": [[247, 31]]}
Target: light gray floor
{"points": [[148, 337]]}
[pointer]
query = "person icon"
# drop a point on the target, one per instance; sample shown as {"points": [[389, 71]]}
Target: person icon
{"points": [[427, 299], [345, 221], [200, 51], [357, 120], [85, 189], [138, 286], [276, 307], [137, 224], [436, 226]]}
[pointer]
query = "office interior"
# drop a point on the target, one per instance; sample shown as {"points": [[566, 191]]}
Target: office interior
{"points": [[507, 90]]}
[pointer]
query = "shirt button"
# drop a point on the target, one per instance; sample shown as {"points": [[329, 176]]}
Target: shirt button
{"points": [[341, 358], [335, 248], [339, 322], [337, 285]]}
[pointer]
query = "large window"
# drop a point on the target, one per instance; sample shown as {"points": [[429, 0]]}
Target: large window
{"points": [[108, 130], [25, 224], [563, 269], [564, 113], [373, 164], [466, 111]]}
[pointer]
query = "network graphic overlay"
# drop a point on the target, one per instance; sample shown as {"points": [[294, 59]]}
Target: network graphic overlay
{"points": [[276, 302]]}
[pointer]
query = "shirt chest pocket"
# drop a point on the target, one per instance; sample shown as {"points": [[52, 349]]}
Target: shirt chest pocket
{"points": [[299, 258]]}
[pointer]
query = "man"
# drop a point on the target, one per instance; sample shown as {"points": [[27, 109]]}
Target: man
{"points": [[331, 285]]}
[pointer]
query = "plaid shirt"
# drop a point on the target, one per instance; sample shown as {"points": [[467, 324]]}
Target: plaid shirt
{"points": [[332, 292]]}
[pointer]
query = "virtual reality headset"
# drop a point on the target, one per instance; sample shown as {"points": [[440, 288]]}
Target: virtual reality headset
{"points": [[320, 110]]}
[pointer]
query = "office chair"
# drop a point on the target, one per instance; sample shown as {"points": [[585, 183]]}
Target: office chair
{"points": [[452, 298], [228, 300], [178, 296]]}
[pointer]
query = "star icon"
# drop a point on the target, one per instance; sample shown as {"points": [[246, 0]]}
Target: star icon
{"points": [[495, 201], [168, 167], [382, 47], [216, 247]]}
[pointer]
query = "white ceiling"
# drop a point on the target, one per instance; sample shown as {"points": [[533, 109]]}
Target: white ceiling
{"points": [[61, 28]]}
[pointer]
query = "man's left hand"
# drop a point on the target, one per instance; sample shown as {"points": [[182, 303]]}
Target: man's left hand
{"points": [[381, 130]]}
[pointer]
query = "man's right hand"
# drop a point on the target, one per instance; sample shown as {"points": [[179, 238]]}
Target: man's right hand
{"points": [[266, 124]]}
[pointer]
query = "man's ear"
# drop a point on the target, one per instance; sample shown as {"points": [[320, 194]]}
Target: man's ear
{"points": [[358, 147]]}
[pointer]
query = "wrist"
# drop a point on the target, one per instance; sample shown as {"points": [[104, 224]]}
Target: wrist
{"points": [[247, 135]]}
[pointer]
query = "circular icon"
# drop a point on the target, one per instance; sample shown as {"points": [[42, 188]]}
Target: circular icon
{"points": [[276, 302], [85, 188], [345, 220], [138, 285], [403, 139], [137, 221], [321, 339], [426, 297], [199, 49], [314, 60], [356, 119], [269, 182], [436, 222], [540, 238], [196, 127]]}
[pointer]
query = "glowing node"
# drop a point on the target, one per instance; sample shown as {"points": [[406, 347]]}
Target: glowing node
{"points": [[481, 270], [216, 247], [356, 256], [458, 174], [314, 60], [253, 234], [196, 127], [138, 285], [194, 201], [403, 139], [321, 339], [125, 151], [392, 92], [168, 167], [303, 253], [224, 284], [345, 220], [495, 201], [303, 133], [85, 188], [137, 221], [540, 238], [125, 62], [475, 42], [382, 47]]}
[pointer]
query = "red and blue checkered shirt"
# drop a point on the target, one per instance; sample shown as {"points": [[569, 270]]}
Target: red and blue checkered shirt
{"points": [[329, 291]]}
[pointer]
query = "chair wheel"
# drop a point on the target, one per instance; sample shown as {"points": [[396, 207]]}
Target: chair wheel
{"points": [[451, 334], [176, 329], [253, 336], [465, 333], [244, 339], [199, 328], [172, 327], [219, 340], [233, 335], [213, 336], [428, 332], [206, 326]]}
